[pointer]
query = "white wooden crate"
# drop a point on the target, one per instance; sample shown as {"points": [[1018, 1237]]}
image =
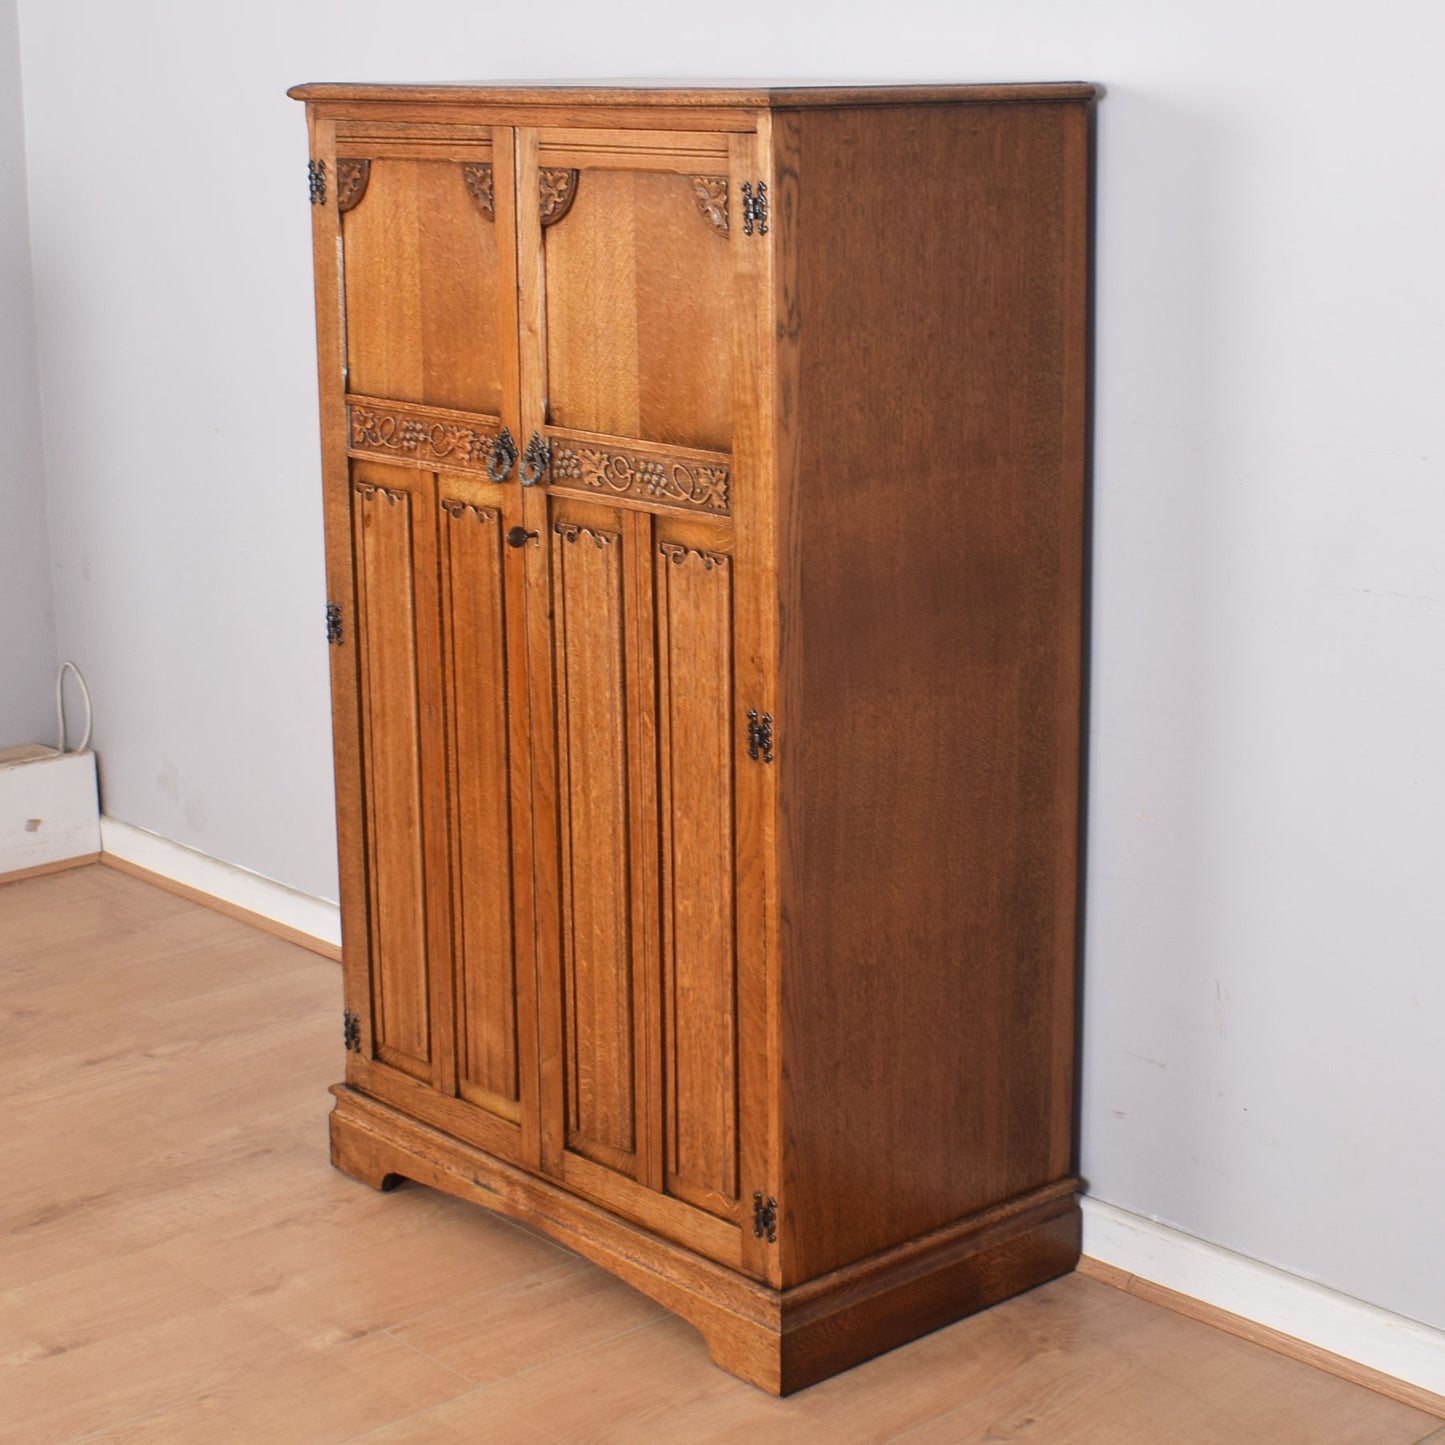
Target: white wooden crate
{"points": [[49, 808]]}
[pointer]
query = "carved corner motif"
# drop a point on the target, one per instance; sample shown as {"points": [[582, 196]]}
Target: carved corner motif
{"points": [[369, 492], [457, 510], [478, 179], [691, 483], [351, 179], [571, 531], [677, 554], [711, 193], [558, 189]]}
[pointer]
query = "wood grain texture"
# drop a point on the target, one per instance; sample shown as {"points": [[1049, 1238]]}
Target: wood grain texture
{"points": [[597, 981], [476, 636], [696, 728], [389, 619], [649, 94], [425, 314], [933, 669], [637, 338]]}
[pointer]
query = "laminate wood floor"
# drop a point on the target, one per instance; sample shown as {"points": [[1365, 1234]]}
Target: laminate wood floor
{"points": [[178, 1261]]}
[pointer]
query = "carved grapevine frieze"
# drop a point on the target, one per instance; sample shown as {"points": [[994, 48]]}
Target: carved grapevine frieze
{"points": [[478, 180], [677, 554], [694, 484], [712, 200], [558, 189], [571, 532], [419, 436], [351, 179]]}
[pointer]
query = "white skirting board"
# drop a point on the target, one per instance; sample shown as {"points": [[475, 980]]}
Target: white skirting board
{"points": [[1267, 1296], [315, 917]]}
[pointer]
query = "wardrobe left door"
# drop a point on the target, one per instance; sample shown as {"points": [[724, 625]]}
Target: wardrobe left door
{"points": [[416, 288]]}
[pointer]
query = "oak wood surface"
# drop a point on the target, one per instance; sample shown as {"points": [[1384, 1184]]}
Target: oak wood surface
{"points": [[933, 679], [426, 317], [188, 1268], [643, 94]]}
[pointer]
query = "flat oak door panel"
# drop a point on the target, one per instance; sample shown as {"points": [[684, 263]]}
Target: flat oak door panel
{"points": [[427, 320], [638, 277], [480, 598], [600, 997], [697, 740], [393, 541]]}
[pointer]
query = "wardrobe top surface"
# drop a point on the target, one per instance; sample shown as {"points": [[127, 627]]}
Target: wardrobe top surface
{"points": [[751, 94]]}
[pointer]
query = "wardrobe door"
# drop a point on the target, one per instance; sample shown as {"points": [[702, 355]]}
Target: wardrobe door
{"points": [[631, 290], [428, 285]]}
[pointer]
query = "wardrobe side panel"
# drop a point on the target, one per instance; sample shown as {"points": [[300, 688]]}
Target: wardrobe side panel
{"points": [[939, 300]]}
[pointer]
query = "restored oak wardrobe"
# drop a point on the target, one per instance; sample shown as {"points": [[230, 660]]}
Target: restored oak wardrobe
{"points": [[704, 487]]}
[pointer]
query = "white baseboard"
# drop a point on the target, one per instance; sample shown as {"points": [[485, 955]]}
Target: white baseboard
{"points": [[299, 912], [1322, 1317]]}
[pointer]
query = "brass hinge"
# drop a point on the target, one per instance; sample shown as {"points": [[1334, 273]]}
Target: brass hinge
{"points": [[351, 1030], [765, 1218], [316, 181], [760, 736], [755, 208], [333, 622]]}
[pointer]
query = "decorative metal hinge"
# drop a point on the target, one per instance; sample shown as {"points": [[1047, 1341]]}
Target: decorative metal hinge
{"points": [[755, 208], [760, 736], [316, 180], [351, 1030], [765, 1218], [333, 622]]}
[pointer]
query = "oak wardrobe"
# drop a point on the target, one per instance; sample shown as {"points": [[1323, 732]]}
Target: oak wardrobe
{"points": [[704, 492]]}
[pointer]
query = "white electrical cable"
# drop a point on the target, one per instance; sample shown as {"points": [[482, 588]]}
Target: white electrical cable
{"points": [[60, 706]]}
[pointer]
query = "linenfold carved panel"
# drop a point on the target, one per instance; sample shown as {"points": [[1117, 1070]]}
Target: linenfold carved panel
{"points": [[712, 200], [422, 435], [558, 189], [351, 178], [478, 179], [682, 481]]}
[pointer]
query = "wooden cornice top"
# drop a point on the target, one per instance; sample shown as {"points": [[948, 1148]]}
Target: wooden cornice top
{"points": [[752, 96]]}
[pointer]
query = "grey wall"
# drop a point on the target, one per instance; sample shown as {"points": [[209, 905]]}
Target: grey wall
{"points": [[27, 621], [1265, 998]]}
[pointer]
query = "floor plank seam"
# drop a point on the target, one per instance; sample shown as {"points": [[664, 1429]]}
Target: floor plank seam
{"points": [[572, 1354], [425, 1410]]}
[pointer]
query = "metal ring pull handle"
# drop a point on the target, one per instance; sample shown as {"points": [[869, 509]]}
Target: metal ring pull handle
{"points": [[504, 454], [535, 461]]}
